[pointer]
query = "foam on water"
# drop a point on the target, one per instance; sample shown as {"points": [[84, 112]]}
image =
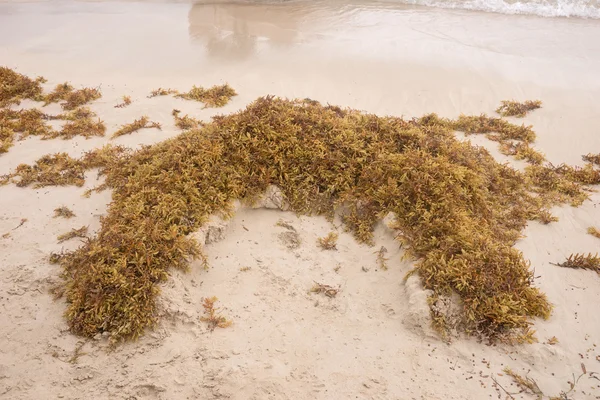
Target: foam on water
{"points": [[544, 8]]}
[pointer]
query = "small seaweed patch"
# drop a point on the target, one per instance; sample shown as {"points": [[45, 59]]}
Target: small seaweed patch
{"points": [[328, 242], [29, 122], [511, 108], [80, 97], [15, 87], [86, 127], [496, 129], [162, 92], [592, 230], [60, 92], [126, 101], [592, 159], [522, 151], [80, 122], [51, 170], [186, 122], [63, 212], [563, 183], [216, 96], [212, 316], [73, 233], [141, 123]]}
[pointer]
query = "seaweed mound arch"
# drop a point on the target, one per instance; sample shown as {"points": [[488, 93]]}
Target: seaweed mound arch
{"points": [[457, 210]]}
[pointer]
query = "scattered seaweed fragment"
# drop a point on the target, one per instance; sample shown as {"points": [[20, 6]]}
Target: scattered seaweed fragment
{"points": [[592, 230], [15, 87], [63, 212], [582, 261], [327, 290], [328, 242], [216, 96], [186, 122], [592, 159], [552, 341], [55, 258], [162, 92], [140, 123], [212, 316], [511, 108], [126, 101], [458, 210], [529, 386], [381, 258], [73, 233]]}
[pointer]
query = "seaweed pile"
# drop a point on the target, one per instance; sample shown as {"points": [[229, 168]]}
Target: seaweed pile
{"points": [[15, 87], [457, 210], [80, 120]]}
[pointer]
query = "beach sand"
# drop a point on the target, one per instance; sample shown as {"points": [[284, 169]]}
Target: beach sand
{"points": [[373, 340]]}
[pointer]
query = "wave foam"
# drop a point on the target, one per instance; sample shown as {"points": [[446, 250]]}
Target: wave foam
{"points": [[544, 8]]}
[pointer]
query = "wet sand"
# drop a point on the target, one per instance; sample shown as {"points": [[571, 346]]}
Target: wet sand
{"points": [[373, 341]]}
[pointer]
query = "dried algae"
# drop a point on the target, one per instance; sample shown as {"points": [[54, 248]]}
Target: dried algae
{"points": [[140, 123], [457, 211], [328, 242], [19, 124], [126, 101], [73, 233], [15, 87], [186, 122], [216, 96], [592, 230], [582, 261], [511, 108], [63, 212], [212, 316]]}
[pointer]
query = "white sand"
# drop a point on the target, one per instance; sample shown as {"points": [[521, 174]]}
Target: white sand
{"points": [[370, 342]]}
